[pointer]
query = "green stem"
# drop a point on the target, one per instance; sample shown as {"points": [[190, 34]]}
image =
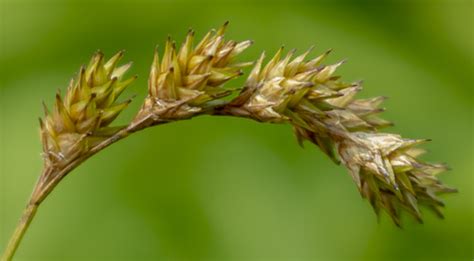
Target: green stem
{"points": [[20, 230]]}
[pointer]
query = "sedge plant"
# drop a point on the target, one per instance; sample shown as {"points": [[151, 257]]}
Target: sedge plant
{"points": [[187, 82]]}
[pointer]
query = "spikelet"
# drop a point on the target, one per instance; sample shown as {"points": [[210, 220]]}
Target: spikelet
{"points": [[82, 118], [189, 79], [387, 172], [323, 110]]}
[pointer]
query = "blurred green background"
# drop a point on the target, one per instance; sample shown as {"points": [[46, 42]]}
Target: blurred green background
{"points": [[231, 189]]}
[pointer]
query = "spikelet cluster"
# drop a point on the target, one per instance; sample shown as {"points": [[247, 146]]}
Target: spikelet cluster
{"points": [[83, 117], [189, 79], [323, 110]]}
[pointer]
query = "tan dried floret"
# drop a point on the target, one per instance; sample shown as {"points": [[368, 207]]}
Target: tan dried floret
{"points": [[325, 111]]}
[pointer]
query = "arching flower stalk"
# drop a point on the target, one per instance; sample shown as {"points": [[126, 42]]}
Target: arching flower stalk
{"points": [[189, 82]]}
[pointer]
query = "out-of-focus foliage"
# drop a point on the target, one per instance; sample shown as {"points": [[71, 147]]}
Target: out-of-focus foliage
{"points": [[224, 188]]}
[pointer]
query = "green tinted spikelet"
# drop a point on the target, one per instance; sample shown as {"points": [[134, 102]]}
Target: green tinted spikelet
{"points": [[189, 78], [82, 117]]}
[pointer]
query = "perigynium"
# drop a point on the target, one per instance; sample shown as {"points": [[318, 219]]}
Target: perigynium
{"points": [[188, 82]]}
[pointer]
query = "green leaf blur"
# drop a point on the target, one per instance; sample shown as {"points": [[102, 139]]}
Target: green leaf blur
{"points": [[216, 188]]}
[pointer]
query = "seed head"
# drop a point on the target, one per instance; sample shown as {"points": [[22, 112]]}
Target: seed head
{"points": [[321, 107], [191, 77], [387, 172], [89, 106]]}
